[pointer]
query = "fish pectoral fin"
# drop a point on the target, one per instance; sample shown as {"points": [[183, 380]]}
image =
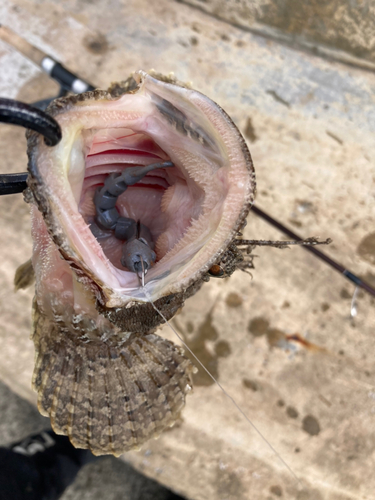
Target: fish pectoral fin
{"points": [[25, 276], [105, 397]]}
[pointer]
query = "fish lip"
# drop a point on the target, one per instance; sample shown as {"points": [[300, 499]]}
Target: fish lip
{"points": [[114, 298]]}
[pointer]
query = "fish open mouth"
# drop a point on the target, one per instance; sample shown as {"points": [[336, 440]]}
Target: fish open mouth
{"points": [[166, 201], [192, 209]]}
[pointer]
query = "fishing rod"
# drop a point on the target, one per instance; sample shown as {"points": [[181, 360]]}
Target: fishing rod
{"points": [[69, 82], [318, 253]]}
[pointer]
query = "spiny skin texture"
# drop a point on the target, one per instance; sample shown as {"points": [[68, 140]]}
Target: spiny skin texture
{"points": [[102, 375], [141, 317], [109, 396]]}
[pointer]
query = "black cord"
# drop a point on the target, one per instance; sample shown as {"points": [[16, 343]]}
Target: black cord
{"points": [[13, 183], [34, 118], [19, 113]]}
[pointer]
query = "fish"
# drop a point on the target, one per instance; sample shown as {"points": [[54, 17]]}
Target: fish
{"points": [[102, 374]]}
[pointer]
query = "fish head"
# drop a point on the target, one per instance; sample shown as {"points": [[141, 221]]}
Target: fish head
{"points": [[193, 210]]}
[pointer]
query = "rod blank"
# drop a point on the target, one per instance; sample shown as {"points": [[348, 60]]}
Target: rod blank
{"points": [[336, 265]]}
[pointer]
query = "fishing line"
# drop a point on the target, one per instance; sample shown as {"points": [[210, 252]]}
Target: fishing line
{"points": [[147, 295]]}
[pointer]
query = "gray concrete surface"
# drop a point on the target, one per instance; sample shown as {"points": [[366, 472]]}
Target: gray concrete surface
{"points": [[309, 124], [107, 478], [339, 28]]}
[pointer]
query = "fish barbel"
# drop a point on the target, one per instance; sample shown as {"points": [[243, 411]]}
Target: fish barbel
{"points": [[102, 375]]}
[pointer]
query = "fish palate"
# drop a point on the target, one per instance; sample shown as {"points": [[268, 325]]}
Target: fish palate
{"points": [[102, 374]]}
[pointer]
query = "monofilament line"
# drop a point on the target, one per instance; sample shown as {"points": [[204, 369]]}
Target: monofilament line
{"points": [[222, 388]]}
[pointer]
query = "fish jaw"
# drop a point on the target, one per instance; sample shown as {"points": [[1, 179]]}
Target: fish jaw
{"points": [[201, 203]]}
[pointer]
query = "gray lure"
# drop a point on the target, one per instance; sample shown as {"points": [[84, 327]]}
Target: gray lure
{"points": [[137, 253]]}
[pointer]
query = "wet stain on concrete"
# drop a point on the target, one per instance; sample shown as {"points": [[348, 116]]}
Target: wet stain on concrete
{"points": [[249, 131], [344, 294], [275, 337], [197, 342], [291, 412], [205, 332], [276, 490], [295, 222], [311, 425], [189, 327], [325, 306], [258, 326], [233, 300], [222, 349], [96, 43], [250, 384], [229, 485], [366, 249]]}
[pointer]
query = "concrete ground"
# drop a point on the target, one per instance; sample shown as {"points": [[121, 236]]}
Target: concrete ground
{"points": [[309, 123], [107, 478]]}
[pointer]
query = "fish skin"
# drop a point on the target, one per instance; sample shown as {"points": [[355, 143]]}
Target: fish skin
{"points": [[109, 396], [102, 375]]}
